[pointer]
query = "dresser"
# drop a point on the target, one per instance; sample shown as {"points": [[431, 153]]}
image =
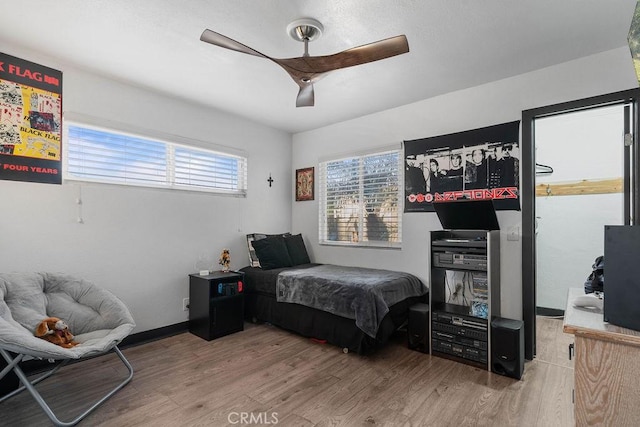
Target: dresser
{"points": [[606, 370]]}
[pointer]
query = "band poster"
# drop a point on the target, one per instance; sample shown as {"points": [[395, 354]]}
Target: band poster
{"points": [[30, 121], [477, 164]]}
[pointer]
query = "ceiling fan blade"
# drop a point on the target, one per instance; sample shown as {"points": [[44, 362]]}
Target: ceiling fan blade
{"points": [[305, 96], [306, 70], [371, 52], [224, 41]]}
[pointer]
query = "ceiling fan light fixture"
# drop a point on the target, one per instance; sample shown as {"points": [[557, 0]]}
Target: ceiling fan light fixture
{"points": [[305, 29]]}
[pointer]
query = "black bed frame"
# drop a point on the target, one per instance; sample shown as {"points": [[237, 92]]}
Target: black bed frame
{"points": [[321, 325]]}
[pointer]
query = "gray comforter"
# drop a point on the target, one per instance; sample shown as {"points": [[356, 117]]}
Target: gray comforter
{"points": [[363, 294]]}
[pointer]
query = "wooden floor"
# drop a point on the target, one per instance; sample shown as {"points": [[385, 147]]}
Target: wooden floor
{"points": [[271, 377]]}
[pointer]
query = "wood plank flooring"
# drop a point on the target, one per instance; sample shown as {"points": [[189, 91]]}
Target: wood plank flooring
{"points": [[267, 376]]}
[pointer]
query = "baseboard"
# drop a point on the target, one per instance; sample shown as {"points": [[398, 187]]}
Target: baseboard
{"points": [[154, 334], [550, 312]]}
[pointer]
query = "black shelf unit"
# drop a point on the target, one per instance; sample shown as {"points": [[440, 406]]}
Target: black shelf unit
{"points": [[211, 314], [465, 294]]}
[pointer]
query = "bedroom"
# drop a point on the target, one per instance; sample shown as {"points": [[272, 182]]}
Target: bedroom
{"points": [[142, 243]]}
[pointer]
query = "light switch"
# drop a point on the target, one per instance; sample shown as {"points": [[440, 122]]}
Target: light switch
{"points": [[513, 233]]}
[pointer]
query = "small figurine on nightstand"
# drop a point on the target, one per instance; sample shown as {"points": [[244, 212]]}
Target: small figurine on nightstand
{"points": [[225, 260]]}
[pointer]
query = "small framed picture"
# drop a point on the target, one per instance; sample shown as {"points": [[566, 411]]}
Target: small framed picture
{"points": [[304, 184]]}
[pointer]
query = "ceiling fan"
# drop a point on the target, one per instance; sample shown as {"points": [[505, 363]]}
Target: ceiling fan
{"points": [[306, 70]]}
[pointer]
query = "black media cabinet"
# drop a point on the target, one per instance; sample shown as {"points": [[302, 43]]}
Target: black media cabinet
{"points": [[213, 314]]}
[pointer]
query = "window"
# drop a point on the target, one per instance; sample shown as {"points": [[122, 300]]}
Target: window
{"points": [[109, 156], [360, 200]]}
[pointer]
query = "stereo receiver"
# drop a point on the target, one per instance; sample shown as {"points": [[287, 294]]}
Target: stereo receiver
{"points": [[461, 261]]}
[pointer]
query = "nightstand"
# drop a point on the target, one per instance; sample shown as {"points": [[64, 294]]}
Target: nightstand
{"points": [[216, 304]]}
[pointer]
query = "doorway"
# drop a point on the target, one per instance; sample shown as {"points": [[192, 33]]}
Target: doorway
{"points": [[579, 189], [627, 101]]}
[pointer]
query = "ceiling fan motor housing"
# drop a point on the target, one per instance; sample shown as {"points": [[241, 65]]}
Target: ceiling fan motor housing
{"points": [[305, 29]]}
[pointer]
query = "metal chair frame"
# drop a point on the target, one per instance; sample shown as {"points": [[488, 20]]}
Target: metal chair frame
{"points": [[13, 365]]}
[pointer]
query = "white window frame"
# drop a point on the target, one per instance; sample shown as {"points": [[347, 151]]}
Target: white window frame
{"points": [[322, 217], [171, 143]]}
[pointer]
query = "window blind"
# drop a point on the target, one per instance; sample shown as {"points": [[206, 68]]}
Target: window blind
{"points": [[112, 157], [360, 200]]}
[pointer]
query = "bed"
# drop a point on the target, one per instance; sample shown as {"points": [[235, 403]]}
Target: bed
{"points": [[315, 300]]}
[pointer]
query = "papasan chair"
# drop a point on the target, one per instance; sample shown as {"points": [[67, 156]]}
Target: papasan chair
{"points": [[98, 319]]}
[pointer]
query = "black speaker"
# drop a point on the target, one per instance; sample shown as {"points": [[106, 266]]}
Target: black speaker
{"points": [[418, 329], [621, 275], [10, 381], [507, 347]]}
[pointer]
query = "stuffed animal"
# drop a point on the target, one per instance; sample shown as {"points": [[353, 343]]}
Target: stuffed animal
{"points": [[55, 331]]}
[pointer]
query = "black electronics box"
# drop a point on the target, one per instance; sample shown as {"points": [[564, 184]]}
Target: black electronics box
{"points": [[418, 328], [622, 275], [10, 381], [459, 335]]}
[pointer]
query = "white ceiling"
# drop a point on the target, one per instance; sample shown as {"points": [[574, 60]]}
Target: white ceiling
{"points": [[454, 44]]}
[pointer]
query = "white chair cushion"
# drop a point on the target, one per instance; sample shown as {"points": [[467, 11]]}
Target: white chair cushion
{"points": [[97, 318]]}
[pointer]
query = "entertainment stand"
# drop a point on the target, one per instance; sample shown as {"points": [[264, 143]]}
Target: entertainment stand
{"points": [[464, 295]]}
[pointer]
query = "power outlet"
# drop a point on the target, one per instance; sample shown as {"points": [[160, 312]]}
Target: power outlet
{"points": [[185, 304]]}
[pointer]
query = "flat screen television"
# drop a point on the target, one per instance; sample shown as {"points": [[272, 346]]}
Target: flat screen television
{"points": [[467, 215]]}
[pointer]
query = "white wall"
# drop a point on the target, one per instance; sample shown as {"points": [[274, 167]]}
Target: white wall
{"points": [[485, 105], [142, 243]]}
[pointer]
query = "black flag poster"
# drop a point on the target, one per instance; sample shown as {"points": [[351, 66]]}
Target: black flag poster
{"points": [[30, 121], [479, 164]]}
